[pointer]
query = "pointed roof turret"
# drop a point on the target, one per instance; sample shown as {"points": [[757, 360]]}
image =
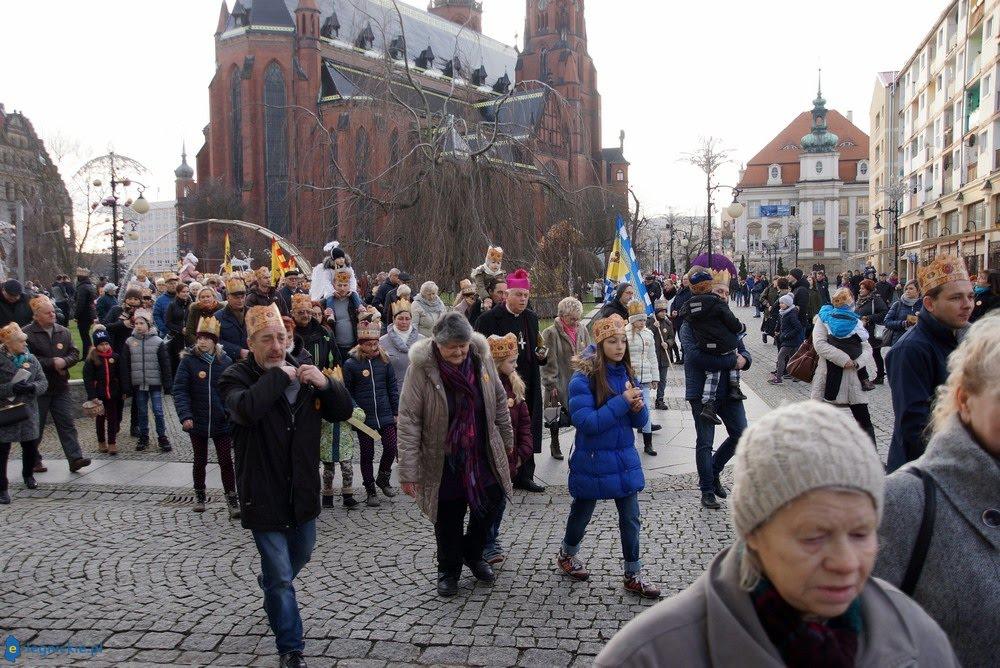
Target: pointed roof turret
{"points": [[820, 139], [223, 19], [184, 171]]}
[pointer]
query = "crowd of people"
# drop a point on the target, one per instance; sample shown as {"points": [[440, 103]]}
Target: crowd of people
{"points": [[290, 379]]}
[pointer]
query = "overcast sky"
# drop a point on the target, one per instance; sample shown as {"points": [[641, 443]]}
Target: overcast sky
{"points": [[134, 74]]}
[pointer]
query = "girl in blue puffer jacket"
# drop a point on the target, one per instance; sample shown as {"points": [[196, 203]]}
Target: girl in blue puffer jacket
{"points": [[606, 405]]}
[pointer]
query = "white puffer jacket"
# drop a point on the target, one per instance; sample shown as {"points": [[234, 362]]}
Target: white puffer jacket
{"points": [[642, 352]]}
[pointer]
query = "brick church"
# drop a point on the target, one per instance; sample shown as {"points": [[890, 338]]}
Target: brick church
{"points": [[292, 109]]}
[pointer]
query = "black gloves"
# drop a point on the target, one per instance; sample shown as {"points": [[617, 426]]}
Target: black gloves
{"points": [[24, 387]]}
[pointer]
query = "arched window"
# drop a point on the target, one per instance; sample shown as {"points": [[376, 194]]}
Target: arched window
{"points": [[276, 149], [364, 224], [236, 128], [620, 175]]}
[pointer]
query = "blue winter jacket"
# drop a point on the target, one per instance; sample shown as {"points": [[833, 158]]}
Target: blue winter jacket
{"points": [[372, 384], [605, 463], [697, 362], [160, 312], [792, 332], [895, 319], [196, 392], [232, 334]]}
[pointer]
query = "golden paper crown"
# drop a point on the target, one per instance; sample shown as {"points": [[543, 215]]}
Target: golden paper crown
{"points": [[301, 301], [636, 307], [262, 317], [369, 329], [236, 285], [494, 254], [209, 326], [503, 347], [721, 277], [37, 303], [466, 287], [944, 269], [336, 373], [400, 306], [10, 333], [607, 327], [342, 275]]}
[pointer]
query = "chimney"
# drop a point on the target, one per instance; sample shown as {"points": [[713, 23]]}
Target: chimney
{"points": [[850, 116]]}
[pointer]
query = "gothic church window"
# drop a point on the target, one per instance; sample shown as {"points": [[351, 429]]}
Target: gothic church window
{"points": [[236, 128], [276, 149]]}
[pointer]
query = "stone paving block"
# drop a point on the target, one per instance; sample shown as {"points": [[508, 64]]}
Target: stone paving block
{"points": [[347, 648], [159, 640], [493, 656], [394, 651], [195, 658], [454, 656], [545, 658], [200, 642], [167, 656]]}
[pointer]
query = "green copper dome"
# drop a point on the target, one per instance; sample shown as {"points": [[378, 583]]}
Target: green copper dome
{"points": [[819, 140]]}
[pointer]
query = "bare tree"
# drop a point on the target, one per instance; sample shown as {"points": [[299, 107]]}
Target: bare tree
{"points": [[708, 158]]}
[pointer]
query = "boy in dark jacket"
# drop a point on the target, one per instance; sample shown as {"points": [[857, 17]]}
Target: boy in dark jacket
{"points": [[103, 384], [790, 336], [666, 346], [145, 376], [372, 383], [202, 413], [717, 331]]}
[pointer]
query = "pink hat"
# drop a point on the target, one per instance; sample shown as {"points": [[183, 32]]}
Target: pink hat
{"points": [[519, 280]]}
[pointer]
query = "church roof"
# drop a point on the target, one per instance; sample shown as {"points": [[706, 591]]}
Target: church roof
{"points": [[614, 156], [426, 34], [785, 149]]}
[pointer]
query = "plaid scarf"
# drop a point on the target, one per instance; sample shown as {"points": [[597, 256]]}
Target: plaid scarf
{"points": [[460, 441], [803, 643]]}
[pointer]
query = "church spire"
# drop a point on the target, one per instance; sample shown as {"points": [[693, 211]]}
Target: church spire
{"points": [[184, 171], [819, 139]]}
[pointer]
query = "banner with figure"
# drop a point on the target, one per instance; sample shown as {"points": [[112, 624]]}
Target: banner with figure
{"points": [[227, 261], [624, 266]]}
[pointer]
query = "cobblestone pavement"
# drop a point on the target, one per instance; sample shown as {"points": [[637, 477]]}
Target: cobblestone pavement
{"points": [[134, 569]]}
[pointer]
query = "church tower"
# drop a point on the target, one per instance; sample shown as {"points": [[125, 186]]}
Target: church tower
{"points": [[555, 52], [468, 13]]}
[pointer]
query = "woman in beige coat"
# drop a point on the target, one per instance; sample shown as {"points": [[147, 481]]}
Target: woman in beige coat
{"points": [[454, 433], [564, 339], [851, 394]]}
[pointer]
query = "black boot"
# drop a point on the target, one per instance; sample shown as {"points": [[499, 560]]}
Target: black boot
{"points": [[199, 503], [142, 443], [350, 501], [556, 450], [328, 500], [4, 498], [234, 505], [720, 491], [292, 660], [30, 483], [708, 500], [447, 583], [647, 443], [708, 412], [660, 406], [736, 394]]}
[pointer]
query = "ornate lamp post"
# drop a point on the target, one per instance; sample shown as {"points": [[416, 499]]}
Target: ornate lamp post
{"points": [[140, 205], [895, 192]]}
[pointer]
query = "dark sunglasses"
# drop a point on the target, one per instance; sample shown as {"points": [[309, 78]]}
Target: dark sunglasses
{"points": [[147, 299]]}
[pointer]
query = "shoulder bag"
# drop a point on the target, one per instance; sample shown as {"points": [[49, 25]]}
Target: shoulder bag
{"points": [[803, 364]]}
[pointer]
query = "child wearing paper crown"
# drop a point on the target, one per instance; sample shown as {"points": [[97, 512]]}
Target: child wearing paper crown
{"points": [[102, 380], [491, 268], [337, 445], [371, 381], [504, 350], [717, 331]]}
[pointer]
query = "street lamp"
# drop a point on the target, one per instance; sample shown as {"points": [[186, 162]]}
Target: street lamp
{"points": [[140, 206], [895, 192], [735, 210]]}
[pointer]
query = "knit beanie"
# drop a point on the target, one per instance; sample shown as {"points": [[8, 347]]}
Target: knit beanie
{"points": [[793, 450], [787, 300], [100, 335]]}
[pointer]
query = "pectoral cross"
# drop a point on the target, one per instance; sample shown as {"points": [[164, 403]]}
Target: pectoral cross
{"points": [[521, 342]]}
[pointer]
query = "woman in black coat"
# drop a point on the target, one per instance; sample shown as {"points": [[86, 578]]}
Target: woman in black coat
{"points": [[872, 309], [987, 295], [618, 303], [176, 319]]}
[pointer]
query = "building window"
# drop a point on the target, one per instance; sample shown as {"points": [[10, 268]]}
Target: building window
{"points": [[819, 207], [863, 167], [950, 223], [754, 209], [620, 175], [276, 149], [861, 237], [236, 128], [977, 216], [862, 204]]}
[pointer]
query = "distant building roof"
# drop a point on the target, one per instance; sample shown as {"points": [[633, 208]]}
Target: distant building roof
{"points": [[614, 155]]}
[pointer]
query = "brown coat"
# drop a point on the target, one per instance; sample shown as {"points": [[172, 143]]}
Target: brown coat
{"points": [[423, 422], [558, 372]]}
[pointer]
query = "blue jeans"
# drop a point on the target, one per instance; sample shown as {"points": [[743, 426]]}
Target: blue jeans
{"points": [[648, 427], [663, 383], [580, 513], [142, 397], [493, 547], [734, 418], [282, 556]]}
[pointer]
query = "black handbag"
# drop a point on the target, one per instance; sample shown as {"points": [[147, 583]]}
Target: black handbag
{"points": [[12, 413]]}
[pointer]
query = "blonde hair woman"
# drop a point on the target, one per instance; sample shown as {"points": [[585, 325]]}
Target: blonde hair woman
{"points": [[953, 491]]}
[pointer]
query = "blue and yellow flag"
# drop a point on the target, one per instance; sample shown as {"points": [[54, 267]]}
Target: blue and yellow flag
{"points": [[624, 266]]}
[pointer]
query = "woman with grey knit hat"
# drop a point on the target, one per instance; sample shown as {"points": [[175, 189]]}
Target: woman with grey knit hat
{"points": [[795, 589], [956, 498]]}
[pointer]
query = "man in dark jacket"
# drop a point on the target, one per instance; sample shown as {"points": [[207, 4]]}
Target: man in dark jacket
{"points": [[277, 408], [885, 289], [14, 306], [497, 287], [516, 318], [917, 363], [800, 294], [653, 287], [232, 320], [383, 290], [731, 411], [85, 311], [759, 285], [317, 340], [823, 287], [292, 286], [53, 345]]}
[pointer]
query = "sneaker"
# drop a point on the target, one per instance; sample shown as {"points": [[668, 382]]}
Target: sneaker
{"points": [[708, 501], [142, 443], [720, 491], [382, 482], [660, 406], [234, 505], [350, 501], [572, 566], [78, 464], [199, 503], [328, 500], [708, 412], [372, 500], [164, 444], [639, 585]]}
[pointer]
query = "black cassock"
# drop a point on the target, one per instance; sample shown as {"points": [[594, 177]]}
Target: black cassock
{"points": [[500, 322]]}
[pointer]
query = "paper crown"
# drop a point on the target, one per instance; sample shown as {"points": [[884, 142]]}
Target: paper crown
{"points": [[636, 307], [209, 327], [519, 280], [171, 277], [342, 275], [37, 303], [145, 314], [262, 317], [236, 285], [400, 306], [263, 274], [494, 254], [10, 333], [503, 347], [466, 287], [607, 327], [721, 277], [301, 301], [661, 305], [944, 269], [369, 328]]}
